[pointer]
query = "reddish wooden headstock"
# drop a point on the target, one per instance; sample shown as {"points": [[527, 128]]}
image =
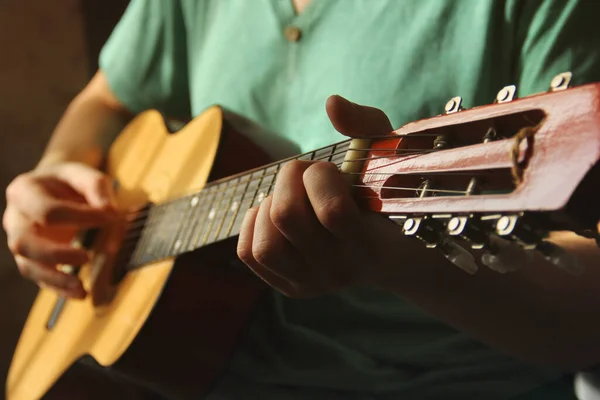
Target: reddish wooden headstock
{"points": [[457, 167]]}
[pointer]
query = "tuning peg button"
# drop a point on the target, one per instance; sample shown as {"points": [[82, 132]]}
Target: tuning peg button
{"points": [[506, 94], [561, 81], [426, 230], [453, 105], [513, 226], [469, 230]]}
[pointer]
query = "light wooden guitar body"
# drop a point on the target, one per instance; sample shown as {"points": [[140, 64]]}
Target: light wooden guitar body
{"points": [[150, 164]]}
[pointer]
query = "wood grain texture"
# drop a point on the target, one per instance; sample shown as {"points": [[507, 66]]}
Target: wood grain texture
{"points": [[565, 148]]}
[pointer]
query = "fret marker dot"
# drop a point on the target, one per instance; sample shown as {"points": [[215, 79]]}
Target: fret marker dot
{"points": [[261, 197], [177, 244], [234, 206], [211, 214], [194, 201]]}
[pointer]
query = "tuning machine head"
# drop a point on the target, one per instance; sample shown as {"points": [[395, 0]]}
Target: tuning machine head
{"points": [[506, 94], [423, 228], [561, 81], [515, 227], [469, 229], [453, 105]]}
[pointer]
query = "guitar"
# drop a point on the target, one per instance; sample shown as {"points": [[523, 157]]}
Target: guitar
{"points": [[168, 298]]}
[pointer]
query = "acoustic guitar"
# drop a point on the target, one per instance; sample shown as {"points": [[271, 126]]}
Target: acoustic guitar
{"points": [[168, 298]]}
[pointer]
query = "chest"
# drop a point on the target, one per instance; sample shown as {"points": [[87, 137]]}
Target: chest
{"points": [[406, 58]]}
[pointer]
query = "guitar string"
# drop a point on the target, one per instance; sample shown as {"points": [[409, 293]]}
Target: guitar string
{"points": [[132, 236], [328, 156], [408, 152], [130, 241], [134, 231], [141, 215]]}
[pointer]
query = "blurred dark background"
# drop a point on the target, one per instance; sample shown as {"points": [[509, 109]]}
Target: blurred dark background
{"points": [[48, 51]]}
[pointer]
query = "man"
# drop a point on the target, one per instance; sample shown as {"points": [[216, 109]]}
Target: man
{"points": [[357, 310]]}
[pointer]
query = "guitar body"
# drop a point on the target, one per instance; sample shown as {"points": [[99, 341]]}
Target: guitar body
{"points": [[172, 324]]}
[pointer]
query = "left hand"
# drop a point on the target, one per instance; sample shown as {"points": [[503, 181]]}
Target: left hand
{"points": [[310, 237]]}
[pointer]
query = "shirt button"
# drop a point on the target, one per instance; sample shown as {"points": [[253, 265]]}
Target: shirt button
{"points": [[292, 33]]}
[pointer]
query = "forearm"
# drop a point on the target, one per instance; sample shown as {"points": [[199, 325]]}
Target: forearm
{"points": [[87, 128], [539, 313]]}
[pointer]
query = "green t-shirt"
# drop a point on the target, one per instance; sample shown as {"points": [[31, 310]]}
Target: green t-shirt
{"points": [[405, 57]]}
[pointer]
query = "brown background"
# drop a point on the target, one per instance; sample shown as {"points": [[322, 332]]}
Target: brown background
{"points": [[48, 51]]}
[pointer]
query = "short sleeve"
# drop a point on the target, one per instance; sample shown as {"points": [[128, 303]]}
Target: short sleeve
{"points": [[557, 36], [145, 58]]}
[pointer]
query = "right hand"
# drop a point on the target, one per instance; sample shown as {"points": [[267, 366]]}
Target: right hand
{"points": [[45, 209]]}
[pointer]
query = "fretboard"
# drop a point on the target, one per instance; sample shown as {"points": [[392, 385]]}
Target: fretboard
{"points": [[215, 213]]}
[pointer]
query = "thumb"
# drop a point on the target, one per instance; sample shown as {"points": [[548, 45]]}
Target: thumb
{"points": [[95, 186], [356, 121]]}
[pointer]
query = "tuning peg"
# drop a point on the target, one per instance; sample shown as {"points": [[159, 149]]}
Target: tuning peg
{"points": [[428, 231], [469, 230], [561, 81], [453, 105], [561, 258], [514, 227], [505, 256], [506, 94], [458, 256]]}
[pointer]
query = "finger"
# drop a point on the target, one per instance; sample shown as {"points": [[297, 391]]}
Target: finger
{"points": [[292, 214], [36, 203], [94, 185], [50, 277], [271, 249], [354, 120], [244, 252], [46, 251], [332, 202]]}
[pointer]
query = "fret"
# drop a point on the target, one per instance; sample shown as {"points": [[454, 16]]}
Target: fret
{"points": [[266, 184], [324, 154], [144, 238], [234, 208], [247, 201], [339, 153], [155, 239], [306, 157], [189, 223], [201, 222], [182, 220], [210, 217], [199, 217], [221, 210], [148, 251], [167, 229], [215, 213], [273, 171]]}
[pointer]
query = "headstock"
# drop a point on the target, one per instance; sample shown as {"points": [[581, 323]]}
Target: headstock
{"points": [[493, 176]]}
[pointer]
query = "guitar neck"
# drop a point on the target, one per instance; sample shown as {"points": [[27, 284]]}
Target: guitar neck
{"points": [[213, 214]]}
